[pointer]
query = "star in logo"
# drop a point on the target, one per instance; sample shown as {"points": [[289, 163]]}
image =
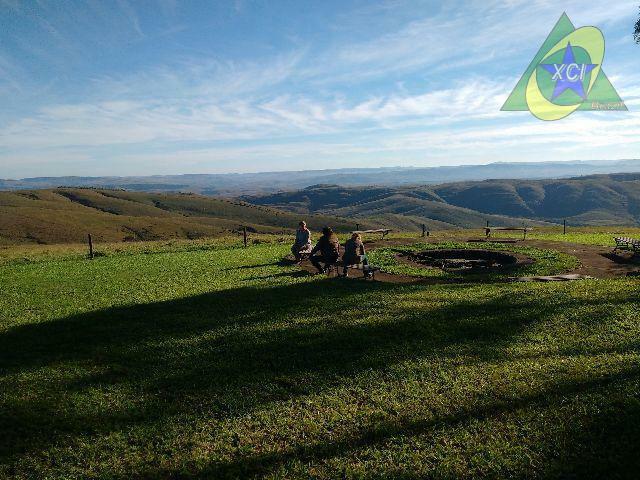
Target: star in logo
{"points": [[569, 74]]}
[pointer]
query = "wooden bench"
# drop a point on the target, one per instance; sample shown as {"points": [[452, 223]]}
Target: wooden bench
{"points": [[305, 253], [524, 230], [366, 269], [383, 231], [628, 244]]}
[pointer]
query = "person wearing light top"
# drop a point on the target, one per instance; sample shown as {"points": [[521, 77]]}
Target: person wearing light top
{"points": [[303, 241]]}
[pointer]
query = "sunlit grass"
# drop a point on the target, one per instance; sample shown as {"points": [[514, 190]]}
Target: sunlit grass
{"points": [[600, 236]]}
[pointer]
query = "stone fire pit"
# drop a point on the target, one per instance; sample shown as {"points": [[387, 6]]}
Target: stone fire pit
{"points": [[463, 260]]}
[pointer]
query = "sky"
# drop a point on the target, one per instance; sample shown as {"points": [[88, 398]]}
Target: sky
{"points": [[124, 87]]}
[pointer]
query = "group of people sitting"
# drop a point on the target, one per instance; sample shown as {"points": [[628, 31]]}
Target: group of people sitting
{"points": [[326, 252]]}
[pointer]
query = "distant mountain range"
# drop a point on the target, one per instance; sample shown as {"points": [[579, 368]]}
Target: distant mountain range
{"points": [[271, 182], [591, 200]]}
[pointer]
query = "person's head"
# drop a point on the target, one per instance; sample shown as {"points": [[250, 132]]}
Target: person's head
{"points": [[356, 236], [302, 225], [327, 232]]}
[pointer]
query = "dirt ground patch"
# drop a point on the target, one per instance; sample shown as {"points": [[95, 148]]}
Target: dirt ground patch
{"points": [[598, 262]]}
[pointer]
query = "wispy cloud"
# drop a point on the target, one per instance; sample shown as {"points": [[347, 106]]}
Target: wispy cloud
{"points": [[462, 35], [204, 78], [131, 15], [9, 76], [199, 119]]}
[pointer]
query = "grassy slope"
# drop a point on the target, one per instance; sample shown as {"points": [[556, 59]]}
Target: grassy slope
{"points": [[67, 215], [592, 200], [401, 208], [218, 362]]}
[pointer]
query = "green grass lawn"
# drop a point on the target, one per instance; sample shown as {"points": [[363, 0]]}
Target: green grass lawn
{"points": [[599, 236], [222, 362], [603, 239]]}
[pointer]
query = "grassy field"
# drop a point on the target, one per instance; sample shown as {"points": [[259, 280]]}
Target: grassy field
{"points": [[208, 360], [601, 236], [15, 254]]}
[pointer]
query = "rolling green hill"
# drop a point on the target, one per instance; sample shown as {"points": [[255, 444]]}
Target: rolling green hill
{"points": [[593, 200], [66, 215], [403, 208]]}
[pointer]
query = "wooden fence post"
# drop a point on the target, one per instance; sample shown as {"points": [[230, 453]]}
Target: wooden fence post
{"points": [[244, 236], [564, 226], [424, 229], [90, 246], [357, 226]]}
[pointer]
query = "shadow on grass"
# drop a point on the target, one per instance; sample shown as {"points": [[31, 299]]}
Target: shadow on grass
{"points": [[285, 262], [606, 438], [622, 258], [296, 274], [227, 353]]}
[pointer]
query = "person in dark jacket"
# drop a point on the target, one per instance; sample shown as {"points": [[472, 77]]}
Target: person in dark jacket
{"points": [[353, 254], [303, 241], [329, 248]]}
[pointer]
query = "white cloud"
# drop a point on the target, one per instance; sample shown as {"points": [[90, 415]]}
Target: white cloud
{"points": [[166, 120], [200, 78], [585, 134], [463, 34]]}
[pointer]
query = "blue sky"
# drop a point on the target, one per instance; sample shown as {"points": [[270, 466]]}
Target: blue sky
{"points": [[124, 87]]}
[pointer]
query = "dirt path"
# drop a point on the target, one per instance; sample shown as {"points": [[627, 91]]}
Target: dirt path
{"points": [[598, 262]]}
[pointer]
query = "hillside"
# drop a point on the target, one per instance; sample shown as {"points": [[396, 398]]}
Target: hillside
{"points": [[66, 215], [235, 184], [593, 200], [404, 208]]}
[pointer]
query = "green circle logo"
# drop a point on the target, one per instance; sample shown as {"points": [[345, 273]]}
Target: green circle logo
{"points": [[566, 75]]}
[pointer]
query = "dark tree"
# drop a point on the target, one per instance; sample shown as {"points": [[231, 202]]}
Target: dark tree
{"points": [[636, 34]]}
